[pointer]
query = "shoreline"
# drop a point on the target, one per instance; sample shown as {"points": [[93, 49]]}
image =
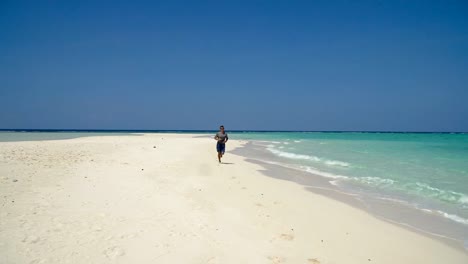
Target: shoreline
{"points": [[164, 198], [402, 215]]}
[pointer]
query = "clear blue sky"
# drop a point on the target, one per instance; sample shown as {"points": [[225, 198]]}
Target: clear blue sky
{"points": [[268, 65]]}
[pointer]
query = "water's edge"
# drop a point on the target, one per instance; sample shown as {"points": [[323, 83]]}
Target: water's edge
{"points": [[428, 224]]}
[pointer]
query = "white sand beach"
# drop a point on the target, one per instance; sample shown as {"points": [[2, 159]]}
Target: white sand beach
{"points": [[163, 198]]}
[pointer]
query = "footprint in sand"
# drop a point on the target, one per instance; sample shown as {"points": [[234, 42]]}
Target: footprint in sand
{"points": [[31, 239], [313, 261], [276, 259], [114, 252], [287, 237], [38, 261], [211, 260]]}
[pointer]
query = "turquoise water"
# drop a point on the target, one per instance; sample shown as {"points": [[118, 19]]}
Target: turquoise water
{"points": [[427, 171], [57, 134], [9, 136]]}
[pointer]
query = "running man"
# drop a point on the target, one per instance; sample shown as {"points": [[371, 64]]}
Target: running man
{"points": [[222, 138]]}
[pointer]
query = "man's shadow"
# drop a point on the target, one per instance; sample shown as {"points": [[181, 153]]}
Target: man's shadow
{"points": [[227, 163]]}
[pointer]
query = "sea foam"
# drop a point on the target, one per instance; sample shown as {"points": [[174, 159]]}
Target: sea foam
{"points": [[291, 155], [454, 217]]}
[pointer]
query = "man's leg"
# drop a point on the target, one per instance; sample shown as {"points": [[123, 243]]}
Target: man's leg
{"points": [[223, 148], [219, 156]]}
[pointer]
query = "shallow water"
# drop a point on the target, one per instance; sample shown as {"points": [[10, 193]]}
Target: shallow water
{"points": [[428, 171]]}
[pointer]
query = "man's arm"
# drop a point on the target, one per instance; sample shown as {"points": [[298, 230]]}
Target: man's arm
{"points": [[226, 138]]}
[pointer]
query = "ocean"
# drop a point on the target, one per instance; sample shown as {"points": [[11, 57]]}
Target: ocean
{"points": [[427, 171]]}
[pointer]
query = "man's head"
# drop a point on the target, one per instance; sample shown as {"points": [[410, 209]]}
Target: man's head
{"points": [[221, 128]]}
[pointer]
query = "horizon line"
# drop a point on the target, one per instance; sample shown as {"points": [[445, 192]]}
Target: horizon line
{"points": [[213, 130]]}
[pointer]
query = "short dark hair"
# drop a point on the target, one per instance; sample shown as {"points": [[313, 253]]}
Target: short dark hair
{"points": [[221, 126]]}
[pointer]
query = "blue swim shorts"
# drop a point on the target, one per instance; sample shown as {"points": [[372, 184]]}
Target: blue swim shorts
{"points": [[221, 147]]}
